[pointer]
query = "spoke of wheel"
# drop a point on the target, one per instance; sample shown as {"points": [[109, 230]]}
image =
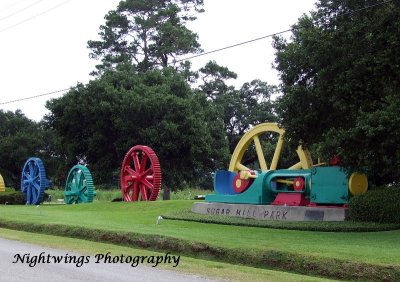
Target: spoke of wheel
{"points": [[143, 191], [240, 167], [36, 186], [83, 185], [81, 181], [127, 197], [36, 171], [81, 177], [147, 172], [28, 195], [277, 153], [150, 193], [130, 171], [76, 179], [148, 184], [135, 191], [143, 163], [260, 154], [136, 161], [296, 166], [81, 197], [75, 184], [127, 181], [30, 167], [25, 179], [34, 191]]}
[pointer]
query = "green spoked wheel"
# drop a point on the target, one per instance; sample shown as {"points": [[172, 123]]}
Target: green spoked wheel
{"points": [[79, 187]]}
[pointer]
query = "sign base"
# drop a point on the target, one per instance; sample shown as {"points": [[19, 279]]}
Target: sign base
{"points": [[272, 212]]}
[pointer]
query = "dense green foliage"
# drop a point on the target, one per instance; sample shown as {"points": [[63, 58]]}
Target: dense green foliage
{"points": [[340, 97], [125, 108], [20, 138], [148, 34], [381, 205], [12, 198], [239, 108], [340, 82], [138, 98]]}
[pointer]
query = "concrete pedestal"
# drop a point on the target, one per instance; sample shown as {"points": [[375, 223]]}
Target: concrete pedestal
{"points": [[272, 212]]}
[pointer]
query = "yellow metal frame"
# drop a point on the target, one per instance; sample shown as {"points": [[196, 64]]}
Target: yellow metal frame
{"points": [[252, 136], [2, 185]]}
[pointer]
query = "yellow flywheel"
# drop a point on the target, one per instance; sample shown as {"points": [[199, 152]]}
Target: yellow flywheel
{"points": [[252, 137], [2, 185], [358, 183]]}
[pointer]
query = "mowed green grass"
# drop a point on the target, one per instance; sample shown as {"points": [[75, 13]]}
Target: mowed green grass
{"points": [[188, 265], [140, 217]]}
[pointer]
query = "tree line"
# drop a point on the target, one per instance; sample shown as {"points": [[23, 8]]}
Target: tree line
{"points": [[339, 96]]}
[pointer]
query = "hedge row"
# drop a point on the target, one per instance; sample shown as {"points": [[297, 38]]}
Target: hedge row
{"points": [[268, 259], [382, 206], [12, 198]]}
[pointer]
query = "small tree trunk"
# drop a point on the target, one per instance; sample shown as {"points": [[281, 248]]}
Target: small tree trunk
{"points": [[166, 195]]}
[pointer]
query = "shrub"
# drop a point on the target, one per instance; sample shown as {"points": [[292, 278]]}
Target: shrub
{"points": [[12, 198], [376, 206]]}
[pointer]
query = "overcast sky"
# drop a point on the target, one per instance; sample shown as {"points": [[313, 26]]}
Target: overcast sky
{"points": [[44, 43]]}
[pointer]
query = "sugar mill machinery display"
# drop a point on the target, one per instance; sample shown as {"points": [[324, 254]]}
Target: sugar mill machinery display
{"points": [[140, 175], [34, 181], [79, 186], [140, 179], [301, 184]]}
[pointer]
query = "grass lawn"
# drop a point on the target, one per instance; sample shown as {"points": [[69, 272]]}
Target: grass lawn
{"points": [[188, 265], [140, 217]]}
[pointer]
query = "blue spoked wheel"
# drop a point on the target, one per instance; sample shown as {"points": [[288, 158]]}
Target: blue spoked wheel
{"points": [[34, 181], [79, 186]]}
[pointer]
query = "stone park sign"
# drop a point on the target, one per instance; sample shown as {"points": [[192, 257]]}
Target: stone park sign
{"points": [[271, 212]]}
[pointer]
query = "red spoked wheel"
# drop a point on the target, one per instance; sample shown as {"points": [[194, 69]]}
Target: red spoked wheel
{"points": [[140, 175]]}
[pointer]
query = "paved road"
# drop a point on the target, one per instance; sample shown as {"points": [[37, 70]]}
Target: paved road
{"points": [[60, 272]]}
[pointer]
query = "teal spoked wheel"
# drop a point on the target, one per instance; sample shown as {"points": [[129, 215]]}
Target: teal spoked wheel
{"points": [[79, 187], [34, 181]]}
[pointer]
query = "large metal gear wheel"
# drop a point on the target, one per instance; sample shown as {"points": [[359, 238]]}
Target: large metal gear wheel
{"points": [[34, 181], [2, 185], [140, 175], [79, 186], [253, 137]]}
